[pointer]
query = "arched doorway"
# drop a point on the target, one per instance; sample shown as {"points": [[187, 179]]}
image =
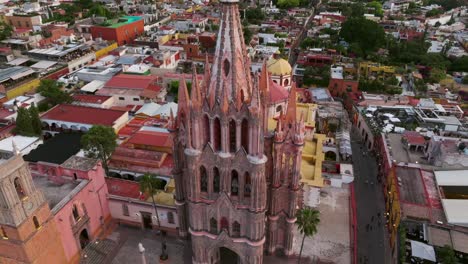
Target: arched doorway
{"points": [[84, 238], [227, 256]]}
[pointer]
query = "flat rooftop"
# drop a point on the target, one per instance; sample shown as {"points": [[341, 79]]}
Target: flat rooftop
{"points": [[123, 21], [54, 193], [83, 115], [79, 163], [412, 185], [57, 149], [452, 177]]}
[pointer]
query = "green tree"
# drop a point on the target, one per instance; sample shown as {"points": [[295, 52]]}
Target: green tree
{"points": [[433, 12], [51, 90], [254, 15], [377, 6], [99, 142], [5, 30], [101, 11], [460, 64], [357, 10], [465, 80], [420, 86], [288, 3], [307, 223], [447, 255], [150, 185], [367, 34], [23, 123], [35, 120], [437, 75], [247, 35], [307, 43]]}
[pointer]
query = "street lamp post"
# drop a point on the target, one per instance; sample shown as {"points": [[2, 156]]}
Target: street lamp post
{"points": [[142, 252]]}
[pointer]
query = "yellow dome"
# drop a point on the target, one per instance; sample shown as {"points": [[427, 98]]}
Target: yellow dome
{"points": [[279, 67]]}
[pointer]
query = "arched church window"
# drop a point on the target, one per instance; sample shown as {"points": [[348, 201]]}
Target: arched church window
{"points": [[4, 234], [36, 222], [75, 212], [247, 185], [206, 129], [217, 134], [19, 188], [224, 223], [226, 67], [245, 135], [203, 180], [213, 226], [232, 135], [236, 229], [279, 108], [216, 180], [234, 183]]}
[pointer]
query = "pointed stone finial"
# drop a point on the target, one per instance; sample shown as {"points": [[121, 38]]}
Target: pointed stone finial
{"points": [[291, 110], [279, 135], [183, 97], [206, 77], [264, 82], [195, 95], [255, 102], [15, 148], [171, 124], [225, 101]]}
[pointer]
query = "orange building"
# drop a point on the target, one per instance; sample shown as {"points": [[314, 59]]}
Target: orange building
{"points": [[24, 21], [29, 232], [123, 30]]}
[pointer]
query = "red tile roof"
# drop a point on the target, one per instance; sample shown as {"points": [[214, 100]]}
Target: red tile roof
{"points": [[83, 115], [22, 30], [151, 138], [414, 138], [123, 188], [5, 113], [127, 81], [89, 98]]}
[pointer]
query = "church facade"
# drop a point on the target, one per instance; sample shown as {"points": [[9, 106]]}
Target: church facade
{"points": [[237, 182]]}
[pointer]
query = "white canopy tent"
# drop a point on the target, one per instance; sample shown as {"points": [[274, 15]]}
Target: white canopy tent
{"points": [[422, 251]]}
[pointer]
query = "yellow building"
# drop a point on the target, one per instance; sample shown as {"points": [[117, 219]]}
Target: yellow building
{"points": [[368, 68], [392, 207], [280, 70], [312, 158], [312, 153]]}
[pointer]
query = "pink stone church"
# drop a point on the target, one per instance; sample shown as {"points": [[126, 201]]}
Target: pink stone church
{"points": [[237, 183]]}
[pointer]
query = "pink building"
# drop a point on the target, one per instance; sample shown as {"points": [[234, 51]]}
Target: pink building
{"points": [[128, 206], [77, 195]]}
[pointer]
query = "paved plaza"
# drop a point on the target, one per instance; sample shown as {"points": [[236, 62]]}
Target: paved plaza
{"points": [[178, 250]]}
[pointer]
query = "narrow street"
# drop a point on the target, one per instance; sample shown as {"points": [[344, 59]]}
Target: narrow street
{"points": [[372, 247]]}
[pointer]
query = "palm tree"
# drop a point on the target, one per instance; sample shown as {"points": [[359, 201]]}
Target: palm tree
{"points": [[149, 184], [307, 222]]}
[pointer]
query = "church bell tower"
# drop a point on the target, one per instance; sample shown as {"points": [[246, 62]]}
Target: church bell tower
{"points": [[28, 233], [227, 162]]}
